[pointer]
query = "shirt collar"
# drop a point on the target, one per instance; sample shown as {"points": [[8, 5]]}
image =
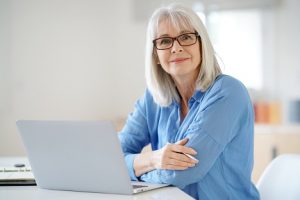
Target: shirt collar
{"points": [[196, 97]]}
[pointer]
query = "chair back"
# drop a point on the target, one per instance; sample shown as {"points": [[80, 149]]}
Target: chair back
{"points": [[281, 179]]}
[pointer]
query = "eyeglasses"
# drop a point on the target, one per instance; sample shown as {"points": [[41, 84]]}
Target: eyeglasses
{"points": [[185, 39]]}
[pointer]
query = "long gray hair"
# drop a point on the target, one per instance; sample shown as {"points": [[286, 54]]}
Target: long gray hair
{"points": [[160, 83]]}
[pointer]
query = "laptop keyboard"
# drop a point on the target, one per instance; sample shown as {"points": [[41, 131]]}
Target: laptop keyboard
{"points": [[139, 186]]}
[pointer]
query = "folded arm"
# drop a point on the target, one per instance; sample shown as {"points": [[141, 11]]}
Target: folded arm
{"points": [[217, 123]]}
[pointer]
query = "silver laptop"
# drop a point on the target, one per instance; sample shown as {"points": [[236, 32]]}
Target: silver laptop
{"points": [[78, 156]]}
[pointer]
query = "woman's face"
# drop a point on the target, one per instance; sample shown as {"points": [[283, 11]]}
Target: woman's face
{"points": [[181, 62]]}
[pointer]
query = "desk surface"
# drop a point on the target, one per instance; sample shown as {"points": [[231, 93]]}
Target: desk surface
{"points": [[35, 193]]}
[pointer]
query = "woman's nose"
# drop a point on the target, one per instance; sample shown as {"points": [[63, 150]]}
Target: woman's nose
{"points": [[176, 47]]}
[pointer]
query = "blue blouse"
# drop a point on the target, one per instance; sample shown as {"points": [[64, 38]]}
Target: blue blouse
{"points": [[219, 126]]}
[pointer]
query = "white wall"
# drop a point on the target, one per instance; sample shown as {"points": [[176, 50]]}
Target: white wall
{"points": [[75, 59], [281, 67], [67, 60], [287, 57], [288, 44]]}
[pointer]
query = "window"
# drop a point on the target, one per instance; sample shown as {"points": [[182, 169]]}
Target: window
{"points": [[237, 38]]}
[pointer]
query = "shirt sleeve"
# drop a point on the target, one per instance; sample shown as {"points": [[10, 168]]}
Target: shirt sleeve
{"points": [[135, 135], [224, 110]]}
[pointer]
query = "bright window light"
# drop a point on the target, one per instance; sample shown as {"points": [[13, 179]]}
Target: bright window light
{"points": [[236, 36]]}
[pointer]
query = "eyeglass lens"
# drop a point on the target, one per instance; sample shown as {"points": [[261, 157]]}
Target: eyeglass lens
{"points": [[184, 40]]}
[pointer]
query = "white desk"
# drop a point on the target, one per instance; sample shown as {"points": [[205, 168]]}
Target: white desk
{"points": [[34, 193]]}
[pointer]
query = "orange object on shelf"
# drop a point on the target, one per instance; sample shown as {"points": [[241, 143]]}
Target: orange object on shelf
{"points": [[267, 112], [261, 112], [274, 113]]}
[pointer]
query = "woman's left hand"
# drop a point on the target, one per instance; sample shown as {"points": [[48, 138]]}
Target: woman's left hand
{"points": [[172, 157]]}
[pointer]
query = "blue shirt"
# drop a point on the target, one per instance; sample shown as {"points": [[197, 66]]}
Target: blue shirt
{"points": [[219, 126]]}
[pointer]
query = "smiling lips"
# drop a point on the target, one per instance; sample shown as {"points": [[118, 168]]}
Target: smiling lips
{"points": [[179, 60]]}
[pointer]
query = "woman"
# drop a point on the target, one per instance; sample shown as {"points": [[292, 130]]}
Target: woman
{"points": [[190, 110]]}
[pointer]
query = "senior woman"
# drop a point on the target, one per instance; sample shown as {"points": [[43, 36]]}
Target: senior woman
{"points": [[190, 109]]}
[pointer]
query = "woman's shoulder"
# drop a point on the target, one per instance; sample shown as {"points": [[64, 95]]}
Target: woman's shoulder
{"points": [[147, 99], [228, 83], [227, 80], [226, 87]]}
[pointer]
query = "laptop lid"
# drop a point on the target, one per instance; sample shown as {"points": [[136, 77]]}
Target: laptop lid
{"points": [[75, 155]]}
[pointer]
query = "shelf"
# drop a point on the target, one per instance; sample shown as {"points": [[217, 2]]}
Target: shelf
{"points": [[277, 129]]}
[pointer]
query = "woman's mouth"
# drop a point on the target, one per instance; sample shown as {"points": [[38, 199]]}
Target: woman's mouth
{"points": [[179, 60]]}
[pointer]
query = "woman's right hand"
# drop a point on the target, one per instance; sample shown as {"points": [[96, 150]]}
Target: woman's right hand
{"points": [[171, 156]]}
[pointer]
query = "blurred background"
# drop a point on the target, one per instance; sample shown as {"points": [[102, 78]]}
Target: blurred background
{"points": [[84, 60]]}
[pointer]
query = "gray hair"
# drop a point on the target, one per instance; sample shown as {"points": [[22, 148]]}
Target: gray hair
{"points": [[160, 83]]}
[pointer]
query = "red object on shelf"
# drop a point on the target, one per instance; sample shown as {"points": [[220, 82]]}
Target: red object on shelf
{"points": [[267, 112]]}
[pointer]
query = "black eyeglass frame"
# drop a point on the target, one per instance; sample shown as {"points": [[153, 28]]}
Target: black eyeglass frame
{"points": [[176, 38]]}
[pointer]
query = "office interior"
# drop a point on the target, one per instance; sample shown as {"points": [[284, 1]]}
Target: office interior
{"points": [[84, 60]]}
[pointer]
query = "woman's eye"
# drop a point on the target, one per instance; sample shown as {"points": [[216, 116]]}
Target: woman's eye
{"points": [[185, 37], [165, 41]]}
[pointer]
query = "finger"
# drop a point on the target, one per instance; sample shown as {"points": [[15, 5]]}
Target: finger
{"points": [[180, 163], [182, 157], [183, 141], [183, 149], [174, 167], [179, 156]]}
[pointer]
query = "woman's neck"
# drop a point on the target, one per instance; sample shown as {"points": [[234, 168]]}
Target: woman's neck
{"points": [[186, 87], [186, 90]]}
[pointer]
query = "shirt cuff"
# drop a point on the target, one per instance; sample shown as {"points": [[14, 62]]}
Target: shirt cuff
{"points": [[129, 158]]}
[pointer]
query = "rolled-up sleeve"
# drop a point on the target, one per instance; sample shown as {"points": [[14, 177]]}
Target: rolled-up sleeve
{"points": [[134, 136]]}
